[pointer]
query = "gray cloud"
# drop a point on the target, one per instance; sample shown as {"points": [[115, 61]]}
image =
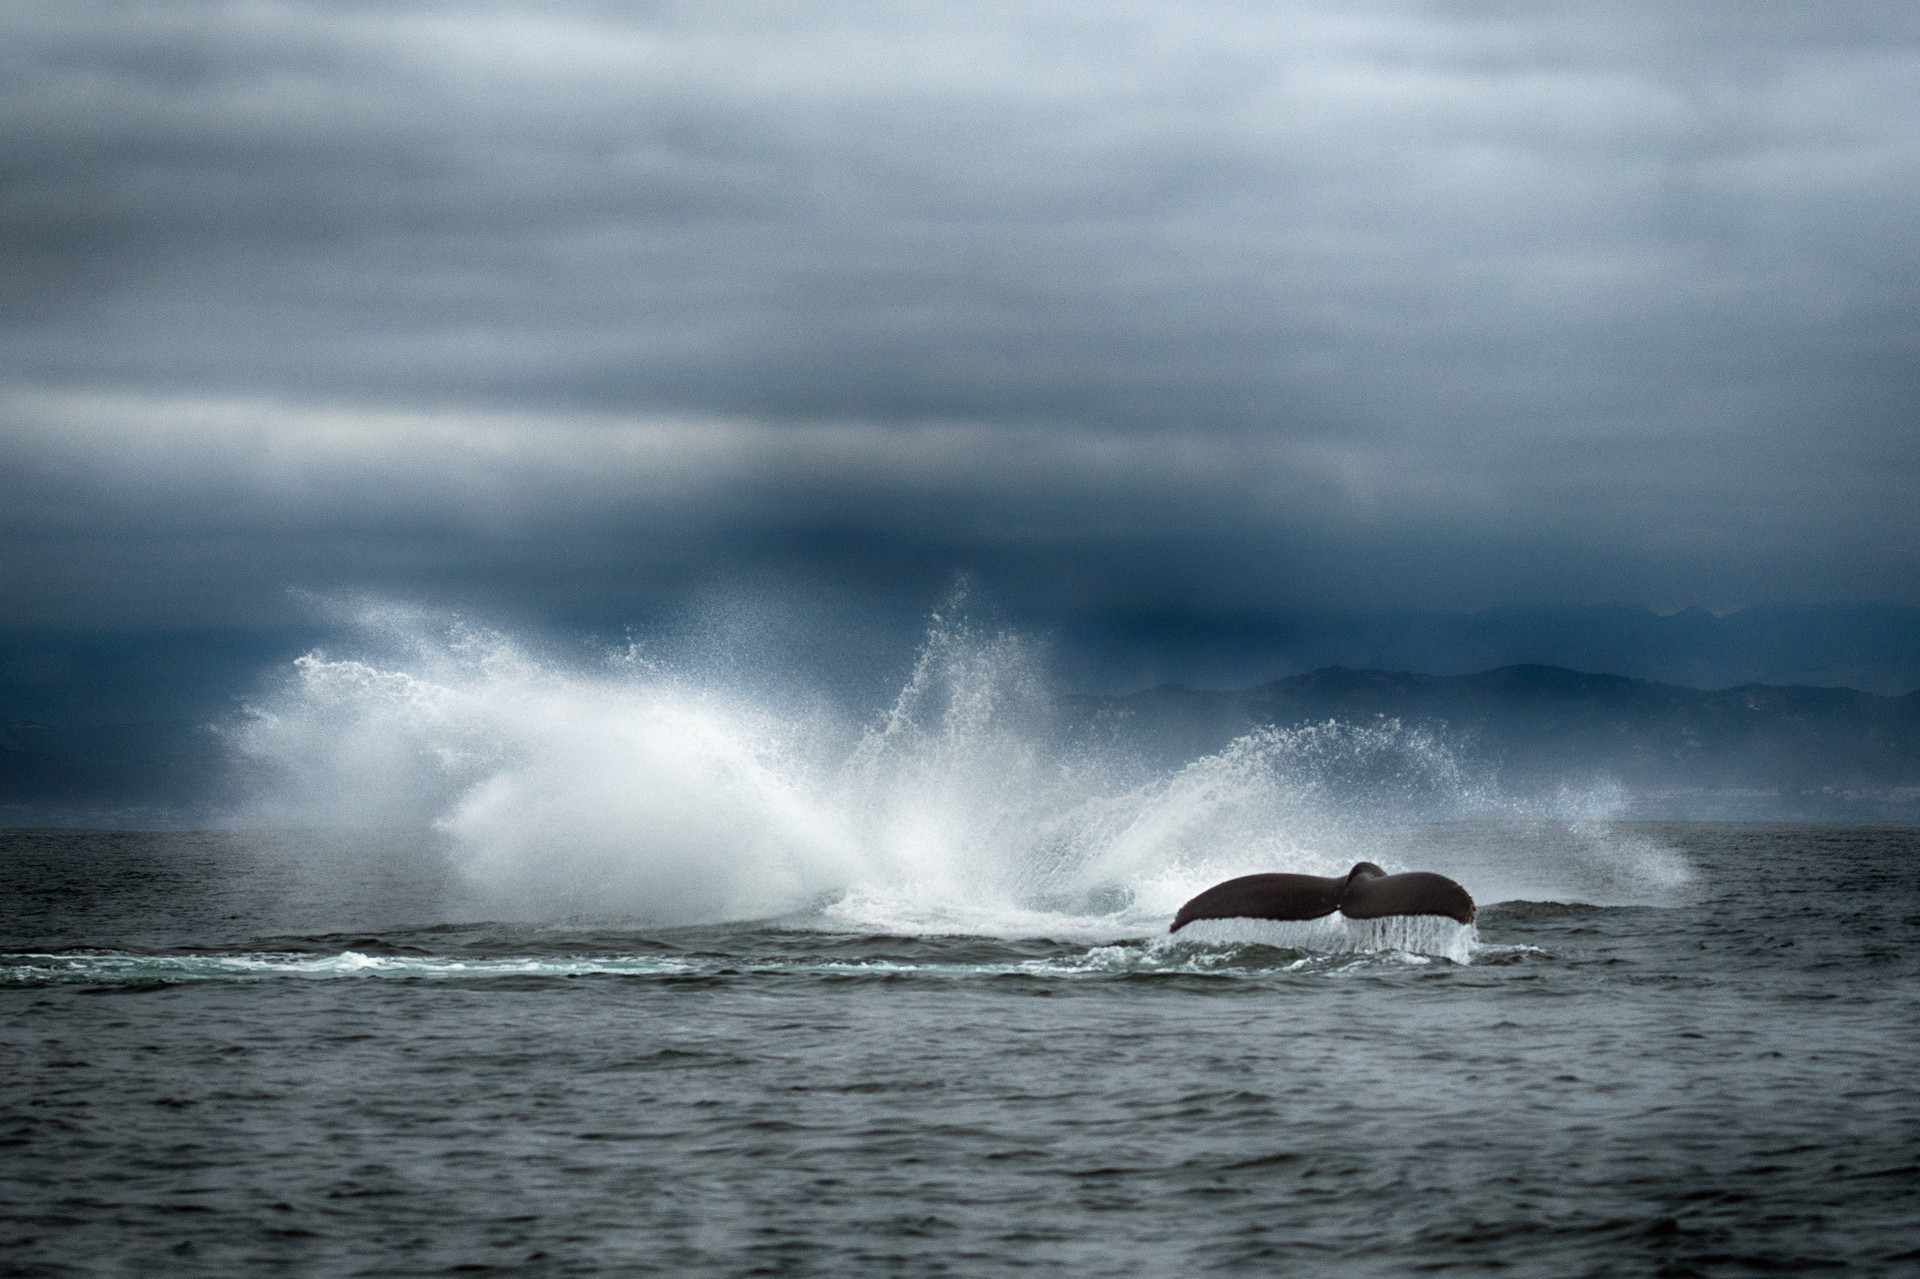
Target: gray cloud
{"points": [[1440, 304]]}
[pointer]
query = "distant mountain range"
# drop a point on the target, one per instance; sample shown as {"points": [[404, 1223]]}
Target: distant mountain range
{"points": [[1751, 751], [1756, 751], [1872, 646], [154, 774], [53, 676]]}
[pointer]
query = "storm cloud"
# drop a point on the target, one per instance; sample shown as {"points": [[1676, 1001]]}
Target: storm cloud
{"points": [[1219, 306]]}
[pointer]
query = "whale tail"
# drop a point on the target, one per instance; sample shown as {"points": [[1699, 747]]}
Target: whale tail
{"points": [[1417, 892], [1365, 892]]}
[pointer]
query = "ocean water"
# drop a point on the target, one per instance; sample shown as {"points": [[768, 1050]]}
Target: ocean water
{"points": [[237, 1053], [551, 968]]}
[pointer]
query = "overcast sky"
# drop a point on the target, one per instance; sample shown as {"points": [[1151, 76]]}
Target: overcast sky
{"points": [[565, 308]]}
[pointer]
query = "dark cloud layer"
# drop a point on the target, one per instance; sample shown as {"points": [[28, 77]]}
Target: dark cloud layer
{"points": [[568, 308]]}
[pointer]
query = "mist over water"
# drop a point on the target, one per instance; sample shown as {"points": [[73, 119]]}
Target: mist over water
{"points": [[625, 787]]}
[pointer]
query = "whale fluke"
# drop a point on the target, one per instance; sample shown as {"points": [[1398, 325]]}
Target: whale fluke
{"points": [[1365, 892], [1416, 892]]}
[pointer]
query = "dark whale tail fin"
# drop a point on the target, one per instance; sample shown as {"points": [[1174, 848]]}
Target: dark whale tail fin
{"points": [[1417, 892], [1365, 892], [1264, 897]]}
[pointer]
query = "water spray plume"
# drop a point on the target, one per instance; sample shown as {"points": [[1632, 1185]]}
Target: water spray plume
{"points": [[970, 805]]}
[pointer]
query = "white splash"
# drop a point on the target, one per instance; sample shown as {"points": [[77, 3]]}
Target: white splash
{"points": [[626, 790]]}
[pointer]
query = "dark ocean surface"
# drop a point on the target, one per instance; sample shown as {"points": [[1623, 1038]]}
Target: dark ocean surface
{"points": [[239, 1053]]}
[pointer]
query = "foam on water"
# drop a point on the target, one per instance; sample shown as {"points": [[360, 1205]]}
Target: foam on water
{"points": [[110, 969], [1215, 956], [967, 807]]}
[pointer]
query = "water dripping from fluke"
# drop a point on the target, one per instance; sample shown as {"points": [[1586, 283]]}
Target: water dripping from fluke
{"points": [[1377, 911]]}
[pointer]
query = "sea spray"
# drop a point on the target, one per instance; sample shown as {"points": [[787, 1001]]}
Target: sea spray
{"points": [[563, 791], [622, 788]]}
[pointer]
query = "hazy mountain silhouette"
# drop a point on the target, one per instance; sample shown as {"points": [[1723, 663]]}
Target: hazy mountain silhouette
{"points": [[50, 676], [1871, 646], [168, 774], [1754, 750]]}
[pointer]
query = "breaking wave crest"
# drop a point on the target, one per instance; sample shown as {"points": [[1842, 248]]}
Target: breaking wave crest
{"points": [[971, 805]]}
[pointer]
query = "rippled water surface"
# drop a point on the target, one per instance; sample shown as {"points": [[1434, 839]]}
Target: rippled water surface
{"points": [[239, 1053]]}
